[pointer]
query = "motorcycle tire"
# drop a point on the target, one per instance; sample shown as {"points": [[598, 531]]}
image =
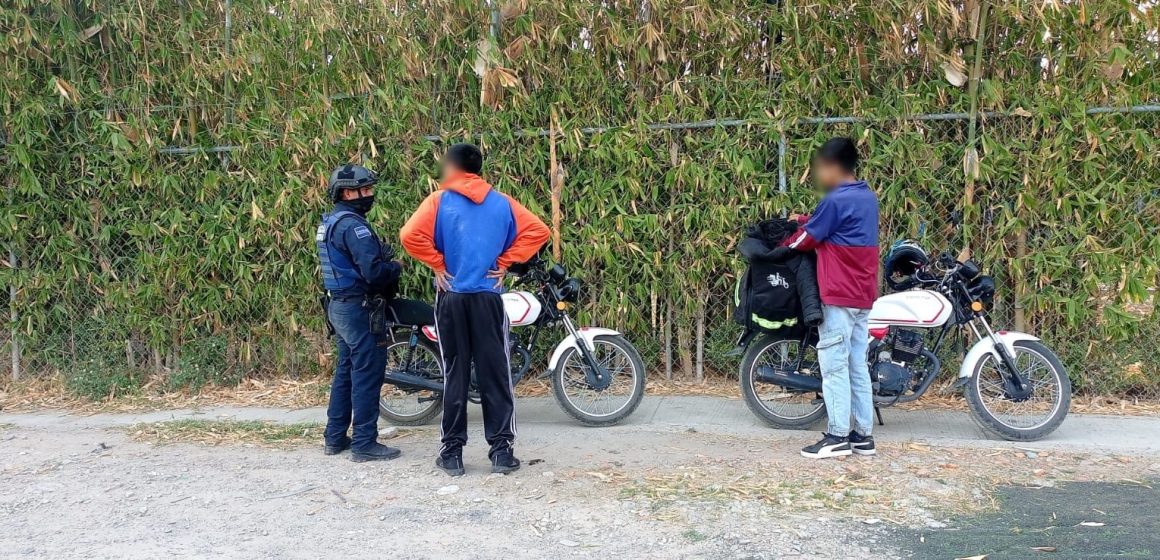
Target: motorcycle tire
{"points": [[625, 348], [427, 410], [754, 354], [991, 423]]}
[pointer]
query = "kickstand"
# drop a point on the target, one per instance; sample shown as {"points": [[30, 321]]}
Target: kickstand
{"points": [[878, 413]]}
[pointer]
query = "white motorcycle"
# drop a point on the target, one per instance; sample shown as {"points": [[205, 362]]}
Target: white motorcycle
{"points": [[1015, 386], [597, 375]]}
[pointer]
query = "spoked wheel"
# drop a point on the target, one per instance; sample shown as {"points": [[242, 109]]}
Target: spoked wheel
{"points": [[1020, 419], [778, 406], [409, 407], [607, 406]]}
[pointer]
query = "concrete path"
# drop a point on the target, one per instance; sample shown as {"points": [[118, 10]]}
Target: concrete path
{"points": [[1080, 433]]}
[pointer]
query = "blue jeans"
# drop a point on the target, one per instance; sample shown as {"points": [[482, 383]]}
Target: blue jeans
{"points": [[842, 342], [358, 376]]}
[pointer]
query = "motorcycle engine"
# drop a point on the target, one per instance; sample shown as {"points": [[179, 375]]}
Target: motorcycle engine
{"points": [[892, 370]]}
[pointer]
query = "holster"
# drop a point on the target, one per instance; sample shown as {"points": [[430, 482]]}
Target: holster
{"points": [[377, 312], [324, 301]]}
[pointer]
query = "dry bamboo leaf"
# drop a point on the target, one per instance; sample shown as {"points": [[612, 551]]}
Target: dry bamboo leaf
{"points": [[516, 48], [513, 9], [979, 557], [485, 57], [953, 71], [65, 89], [971, 163], [1043, 548], [88, 33]]}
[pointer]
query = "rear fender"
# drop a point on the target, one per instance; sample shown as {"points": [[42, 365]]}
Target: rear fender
{"points": [[589, 334], [985, 346]]}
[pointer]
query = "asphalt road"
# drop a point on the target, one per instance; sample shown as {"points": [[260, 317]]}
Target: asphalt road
{"points": [[1077, 521]]}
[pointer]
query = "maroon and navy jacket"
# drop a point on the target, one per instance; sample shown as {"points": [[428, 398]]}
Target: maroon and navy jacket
{"points": [[843, 230]]}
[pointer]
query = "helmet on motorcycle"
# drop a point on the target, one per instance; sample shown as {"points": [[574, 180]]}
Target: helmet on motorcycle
{"points": [[349, 176], [902, 261]]}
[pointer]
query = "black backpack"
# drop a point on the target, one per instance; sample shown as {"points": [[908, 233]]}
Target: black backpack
{"points": [[766, 299]]}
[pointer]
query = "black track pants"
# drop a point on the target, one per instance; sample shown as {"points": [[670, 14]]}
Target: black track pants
{"points": [[473, 328]]}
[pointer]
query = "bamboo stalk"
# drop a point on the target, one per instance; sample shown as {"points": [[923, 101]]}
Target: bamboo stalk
{"points": [[971, 154], [557, 184], [1020, 281]]}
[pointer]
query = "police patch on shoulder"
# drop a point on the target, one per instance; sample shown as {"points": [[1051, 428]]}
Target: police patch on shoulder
{"points": [[362, 231]]}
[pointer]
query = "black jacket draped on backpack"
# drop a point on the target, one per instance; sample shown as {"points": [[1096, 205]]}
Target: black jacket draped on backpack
{"points": [[779, 290]]}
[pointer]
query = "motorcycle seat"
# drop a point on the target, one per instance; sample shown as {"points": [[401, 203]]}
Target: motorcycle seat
{"points": [[411, 312]]}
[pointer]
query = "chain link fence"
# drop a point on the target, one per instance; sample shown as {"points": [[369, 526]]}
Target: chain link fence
{"points": [[95, 291]]}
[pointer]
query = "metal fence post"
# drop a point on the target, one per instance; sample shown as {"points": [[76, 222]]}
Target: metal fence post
{"points": [[781, 150], [495, 21], [229, 30], [13, 317]]}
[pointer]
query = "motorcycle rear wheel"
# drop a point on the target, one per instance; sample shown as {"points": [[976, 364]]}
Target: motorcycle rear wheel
{"points": [[778, 406], [403, 407], [1045, 409]]}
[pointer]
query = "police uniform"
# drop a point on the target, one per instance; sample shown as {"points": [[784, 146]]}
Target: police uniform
{"points": [[356, 268]]}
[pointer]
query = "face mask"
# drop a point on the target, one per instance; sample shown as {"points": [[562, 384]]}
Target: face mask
{"points": [[362, 205]]}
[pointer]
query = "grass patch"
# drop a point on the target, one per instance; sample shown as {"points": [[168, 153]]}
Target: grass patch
{"points": [[228, 432], [693, 535], [95, 380]]}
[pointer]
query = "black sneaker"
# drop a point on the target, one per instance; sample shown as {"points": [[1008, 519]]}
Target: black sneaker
{"points": [[861, 445], [376, 452], [336, 448], [504, 462], [830, 446], [452, 465]]}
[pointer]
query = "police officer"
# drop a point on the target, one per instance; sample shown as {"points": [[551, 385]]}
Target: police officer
{"points": [[358, 273]]}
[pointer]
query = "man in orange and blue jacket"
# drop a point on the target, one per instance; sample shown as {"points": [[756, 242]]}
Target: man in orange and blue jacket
{"points": [[469, 234]]}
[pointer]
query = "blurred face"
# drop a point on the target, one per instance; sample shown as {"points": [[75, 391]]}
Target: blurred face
{"points": [[352, 194], [828, 175], [447, 169]]}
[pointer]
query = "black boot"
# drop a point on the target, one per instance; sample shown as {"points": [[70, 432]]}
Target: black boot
{"points": [[451, 464], [337, 447], [376, 452], [504, 462]]}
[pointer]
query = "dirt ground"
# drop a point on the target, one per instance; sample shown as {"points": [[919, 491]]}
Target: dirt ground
{"points": [[93, 490]]}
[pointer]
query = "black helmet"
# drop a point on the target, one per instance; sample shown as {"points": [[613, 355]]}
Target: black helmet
{"points": [[349, 176], [903, 260]]}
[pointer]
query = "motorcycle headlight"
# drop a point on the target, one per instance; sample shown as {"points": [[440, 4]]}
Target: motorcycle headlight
{"points": [[570, 290], [982, 289], [969, 270]]}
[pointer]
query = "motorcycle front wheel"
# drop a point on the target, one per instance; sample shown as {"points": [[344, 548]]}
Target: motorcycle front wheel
{"points": [[1027, 419], [779, 406], [603, 407], [408, 407]]}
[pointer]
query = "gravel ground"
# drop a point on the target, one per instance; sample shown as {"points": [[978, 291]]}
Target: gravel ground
{"points": [[98, 493], [98, 487]]}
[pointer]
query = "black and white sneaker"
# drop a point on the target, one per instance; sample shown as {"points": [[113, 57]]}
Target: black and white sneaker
{"points": [[830, 446], [861, 445]]}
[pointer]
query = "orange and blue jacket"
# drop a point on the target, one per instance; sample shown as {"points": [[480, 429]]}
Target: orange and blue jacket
{"points": [[467, 229]]}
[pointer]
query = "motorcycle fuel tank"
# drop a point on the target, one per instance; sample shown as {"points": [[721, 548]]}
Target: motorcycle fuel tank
{"points": [[522, 308], [914, 308]]}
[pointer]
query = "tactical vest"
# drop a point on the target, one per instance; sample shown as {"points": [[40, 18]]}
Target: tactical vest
{"points": [[338, 272]]}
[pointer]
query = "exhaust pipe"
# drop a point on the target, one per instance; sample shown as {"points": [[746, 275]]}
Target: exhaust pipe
{"points": [[408, 381], [789, 380]]}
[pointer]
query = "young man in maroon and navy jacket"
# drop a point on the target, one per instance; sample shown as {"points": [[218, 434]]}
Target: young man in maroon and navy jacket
{"points": [[843, 231]]}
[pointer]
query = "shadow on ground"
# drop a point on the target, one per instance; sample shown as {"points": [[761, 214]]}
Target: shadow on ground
{"points": [[1081, 520]]}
